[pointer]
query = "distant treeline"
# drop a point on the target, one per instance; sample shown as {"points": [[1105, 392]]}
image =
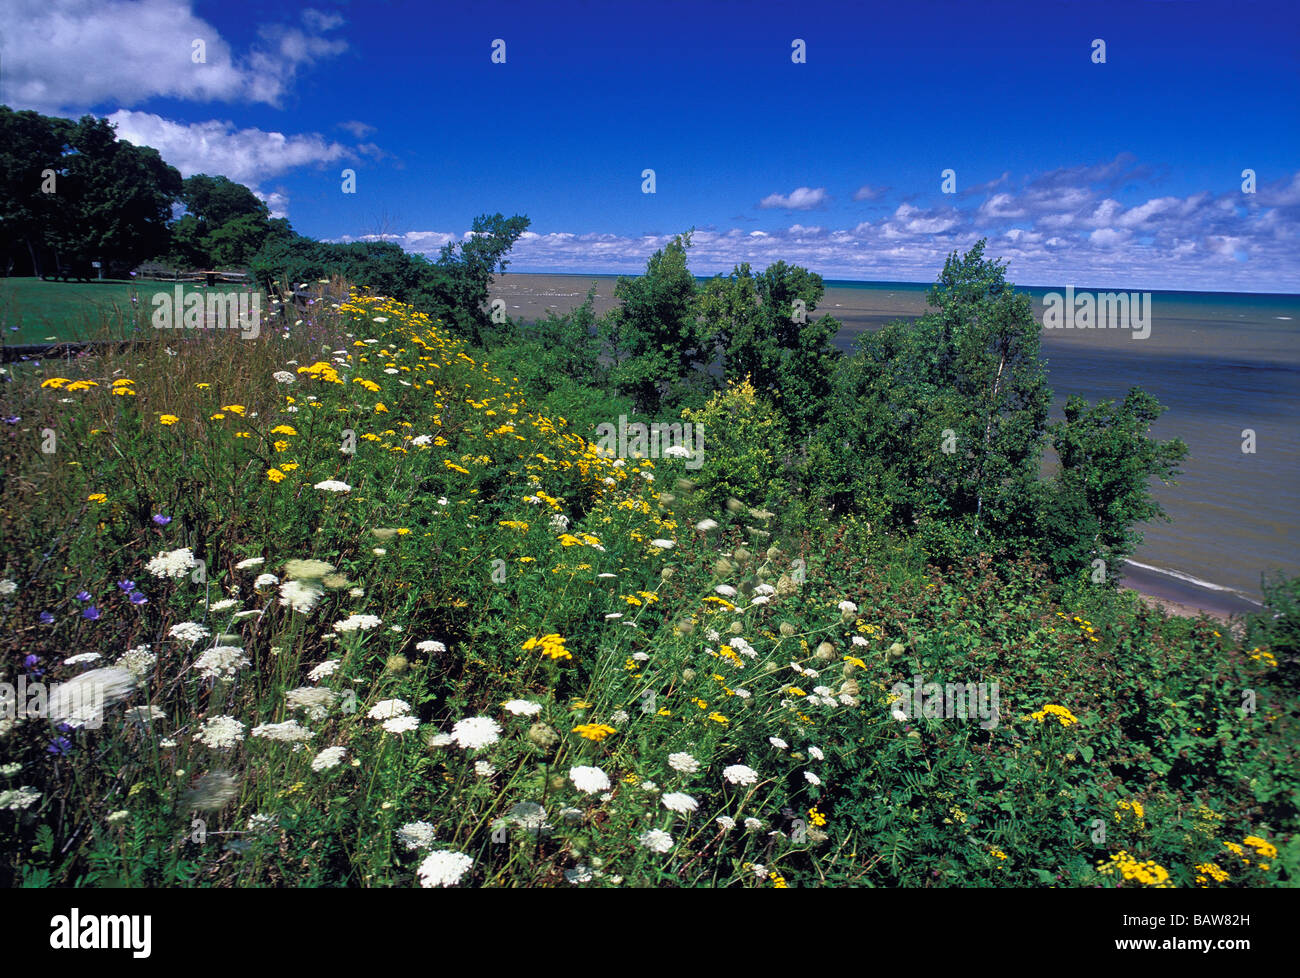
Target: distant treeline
{"points": [[73, 194]]}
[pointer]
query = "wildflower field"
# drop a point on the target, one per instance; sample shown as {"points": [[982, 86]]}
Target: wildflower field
{"points": [[365, 609]]}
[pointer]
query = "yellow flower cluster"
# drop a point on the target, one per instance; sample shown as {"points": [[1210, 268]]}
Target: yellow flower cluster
{"points": [[594, 731], [1060, 713], [1211, 870], [1148, 873], [1127, 808], [1263, 655], [552, 646]]}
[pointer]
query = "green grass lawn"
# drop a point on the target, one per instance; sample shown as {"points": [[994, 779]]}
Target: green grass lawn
{"points": [[35, 311]]}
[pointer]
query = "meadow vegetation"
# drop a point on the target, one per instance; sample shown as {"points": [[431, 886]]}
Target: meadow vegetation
{"points": [[368, 607]]}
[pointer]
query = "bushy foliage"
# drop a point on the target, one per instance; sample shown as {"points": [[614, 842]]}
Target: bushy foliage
{"points": [[746, 453]]}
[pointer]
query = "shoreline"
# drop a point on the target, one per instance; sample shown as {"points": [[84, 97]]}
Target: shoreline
{"points": [[1175, 597]]}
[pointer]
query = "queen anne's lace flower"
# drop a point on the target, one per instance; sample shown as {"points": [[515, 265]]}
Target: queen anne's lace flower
{"points": [[656, 840], [328, 758], [220, 732], [683, 762], [474, 732], [221, 662], [675, 801], [172, 563], [444, 868], [740, 774], [589, 779]]}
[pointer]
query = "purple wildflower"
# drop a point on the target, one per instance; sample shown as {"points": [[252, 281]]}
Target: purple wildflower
{"points": [[161, 520], [59, 746], [47, 618], [126, 585], [136, 597], [83, 595], [91, 613]]}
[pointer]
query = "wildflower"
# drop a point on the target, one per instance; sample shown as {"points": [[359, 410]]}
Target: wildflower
{"points": [[327, 668], [551, 646], [221, 662], [84, 657], [726, 822], [248, 562], [656, 840], [484, 769], [328, 758], [19, 798], [593, 731], [475, 732], [167, 419], [401, 725], [683, 762], [8, 587], [188, 631], [137, 661], [172, 563], [523, 708], [676, 801], [778, 743], [589, 779], [444, 868], [386, 709], [291, 731], [1060, 713], [430, 647], [316, 700], [97, 497], [308, 570], [416, 835], [354, 622], [811, 778], [333, 485], [79, 701], [740, 774], [220, 732], [301, 596], [161, 520]]}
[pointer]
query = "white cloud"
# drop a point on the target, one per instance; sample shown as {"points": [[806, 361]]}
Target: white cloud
{"points": [[71, 56], [801, 199], [247, 156]]}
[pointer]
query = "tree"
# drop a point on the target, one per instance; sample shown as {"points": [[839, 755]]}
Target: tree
{"points": [[458, 287], [938, 428], [1107, 462], [763, 328], [224, 224], [654, 336], [114, 200], [29, 144]]}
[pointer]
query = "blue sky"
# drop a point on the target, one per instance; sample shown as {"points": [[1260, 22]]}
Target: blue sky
{"points": [[1126, 174]]}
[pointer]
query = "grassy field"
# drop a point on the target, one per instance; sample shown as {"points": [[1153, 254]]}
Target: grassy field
{"points": [[364, 611], [36, 311]]}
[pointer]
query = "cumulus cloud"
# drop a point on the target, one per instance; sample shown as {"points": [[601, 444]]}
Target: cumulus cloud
{"points": [[75, 55], [800, 199], [247, 156]]}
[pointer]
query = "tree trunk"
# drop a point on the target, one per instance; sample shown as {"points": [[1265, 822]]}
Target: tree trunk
{"points": [[988, 427]]}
